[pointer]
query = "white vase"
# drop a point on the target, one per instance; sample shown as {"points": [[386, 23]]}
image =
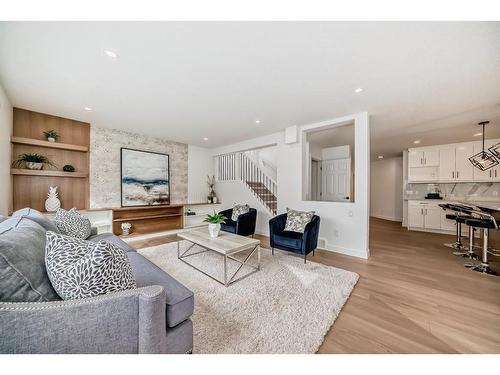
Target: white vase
{"points": [[50, 139], [52, 203], [34, 166], [214, 230]]}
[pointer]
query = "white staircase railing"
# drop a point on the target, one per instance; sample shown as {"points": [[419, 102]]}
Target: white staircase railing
{"points": [[239, 167]]}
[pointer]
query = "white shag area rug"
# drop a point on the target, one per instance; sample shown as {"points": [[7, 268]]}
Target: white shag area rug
{"points": [[286, 307]]}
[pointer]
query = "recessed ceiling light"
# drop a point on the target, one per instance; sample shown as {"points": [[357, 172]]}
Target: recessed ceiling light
{"points": [[478, 134], [417, 142], [111, 54], [205, 139], [358, 90], [88, 109], [380, 156], [257, 122]]}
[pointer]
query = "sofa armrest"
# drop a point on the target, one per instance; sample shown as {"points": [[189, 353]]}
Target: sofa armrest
{"points": [[227, 213], [131, 321], [276, 225], [245, 226], [311, 233]]}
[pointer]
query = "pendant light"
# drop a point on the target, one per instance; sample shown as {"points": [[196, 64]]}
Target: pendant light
{"points": [[484, 160]]}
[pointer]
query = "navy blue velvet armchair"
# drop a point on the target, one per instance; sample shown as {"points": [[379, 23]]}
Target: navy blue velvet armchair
{"points": [[244, 226], [298, 243]]}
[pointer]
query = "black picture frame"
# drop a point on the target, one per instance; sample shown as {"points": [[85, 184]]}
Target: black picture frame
{"points": [[167, 201]]}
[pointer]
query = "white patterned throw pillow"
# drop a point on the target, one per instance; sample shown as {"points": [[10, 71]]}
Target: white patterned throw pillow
{"points": [[72, 223], [296, 221], [81, 269], [239, 209]]}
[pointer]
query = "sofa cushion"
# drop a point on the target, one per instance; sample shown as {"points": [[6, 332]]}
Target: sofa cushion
{"points": [[230, 227], [288, 239], [180, 300], [37, 217], [110, 237], [23, 277], [81, 269], [2, 218], [72, 223]]}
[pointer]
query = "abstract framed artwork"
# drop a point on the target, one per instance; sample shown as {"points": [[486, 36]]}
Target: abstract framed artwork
{"points": [[145, 178]]}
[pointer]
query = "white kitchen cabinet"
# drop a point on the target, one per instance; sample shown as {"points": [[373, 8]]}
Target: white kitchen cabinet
{"points": [[423, 157], [454, 164], [463, 167], [415, 216], [426, 215], [492, 174]]}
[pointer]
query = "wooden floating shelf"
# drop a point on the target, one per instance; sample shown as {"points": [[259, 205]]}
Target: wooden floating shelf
{"points": [[47, 144], [146, 217], [48, 173]]}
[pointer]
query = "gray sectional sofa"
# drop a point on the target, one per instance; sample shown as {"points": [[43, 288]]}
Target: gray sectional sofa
{"points": [[154, 318]]}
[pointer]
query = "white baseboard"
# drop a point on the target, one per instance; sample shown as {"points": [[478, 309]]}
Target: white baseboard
{"points": [[391, 218], [348, 251]]}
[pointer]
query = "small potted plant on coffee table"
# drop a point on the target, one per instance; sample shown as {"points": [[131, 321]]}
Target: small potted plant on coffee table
{"points": [[51, 135], [214, 221], [32, 161]]}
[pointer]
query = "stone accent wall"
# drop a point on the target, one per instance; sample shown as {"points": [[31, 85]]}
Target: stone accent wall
{"points": [[105, 147]]}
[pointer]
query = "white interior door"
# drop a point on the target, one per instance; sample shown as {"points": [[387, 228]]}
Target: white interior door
{"points": [[336, 180]]}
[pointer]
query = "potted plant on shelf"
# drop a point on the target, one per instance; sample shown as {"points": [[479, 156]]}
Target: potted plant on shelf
{"points": [[51, 135], [214, 221], [32, 161]]}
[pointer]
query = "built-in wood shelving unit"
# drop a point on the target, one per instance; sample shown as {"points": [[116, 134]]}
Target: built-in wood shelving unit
{"points": [[49, 173], [47, 144], [30, 187], [149, 219]]}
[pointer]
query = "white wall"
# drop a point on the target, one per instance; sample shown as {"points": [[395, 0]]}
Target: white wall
{"points": [[200, 165], [344, 226], [231, 192], [5, 154], [386, 189]]}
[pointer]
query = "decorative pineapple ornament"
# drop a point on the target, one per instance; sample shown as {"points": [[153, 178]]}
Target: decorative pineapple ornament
{"points": [[52, 203]]}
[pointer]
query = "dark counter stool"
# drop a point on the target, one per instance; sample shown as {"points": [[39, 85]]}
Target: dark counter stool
{"points": [[485, 225], [458, 245]]}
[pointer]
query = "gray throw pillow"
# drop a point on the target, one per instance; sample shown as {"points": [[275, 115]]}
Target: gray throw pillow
{"points": [[239, 209], [81, 269], [23, 277], [72, 223], [296, 221], [37, 217]]}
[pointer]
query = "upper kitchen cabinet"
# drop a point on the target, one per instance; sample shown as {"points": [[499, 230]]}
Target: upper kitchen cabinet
{"points": [[449, 163], [423, 157], [454, 164], [492, 174]]}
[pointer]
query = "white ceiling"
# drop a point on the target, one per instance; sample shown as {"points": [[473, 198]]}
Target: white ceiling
{"points": [[189, 80]]}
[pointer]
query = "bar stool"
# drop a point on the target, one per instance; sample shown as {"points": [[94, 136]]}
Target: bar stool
{"points": [[485, 225], [458, 245]]}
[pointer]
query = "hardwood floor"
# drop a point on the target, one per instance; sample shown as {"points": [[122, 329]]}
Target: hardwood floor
{"points": [[413, 296]]}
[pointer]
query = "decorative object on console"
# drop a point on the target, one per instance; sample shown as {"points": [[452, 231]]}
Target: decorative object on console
{"points": [[52, 203], [81, 269], [483, 160], [72, 223], [239, 209], [32, 161], [144, 178], [212, 198], [296, 221], [51, 135], [126, 228], [68, 168], [214, 221]]}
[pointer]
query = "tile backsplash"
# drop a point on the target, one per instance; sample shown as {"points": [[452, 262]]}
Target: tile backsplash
{"points": [[473, 191]]}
